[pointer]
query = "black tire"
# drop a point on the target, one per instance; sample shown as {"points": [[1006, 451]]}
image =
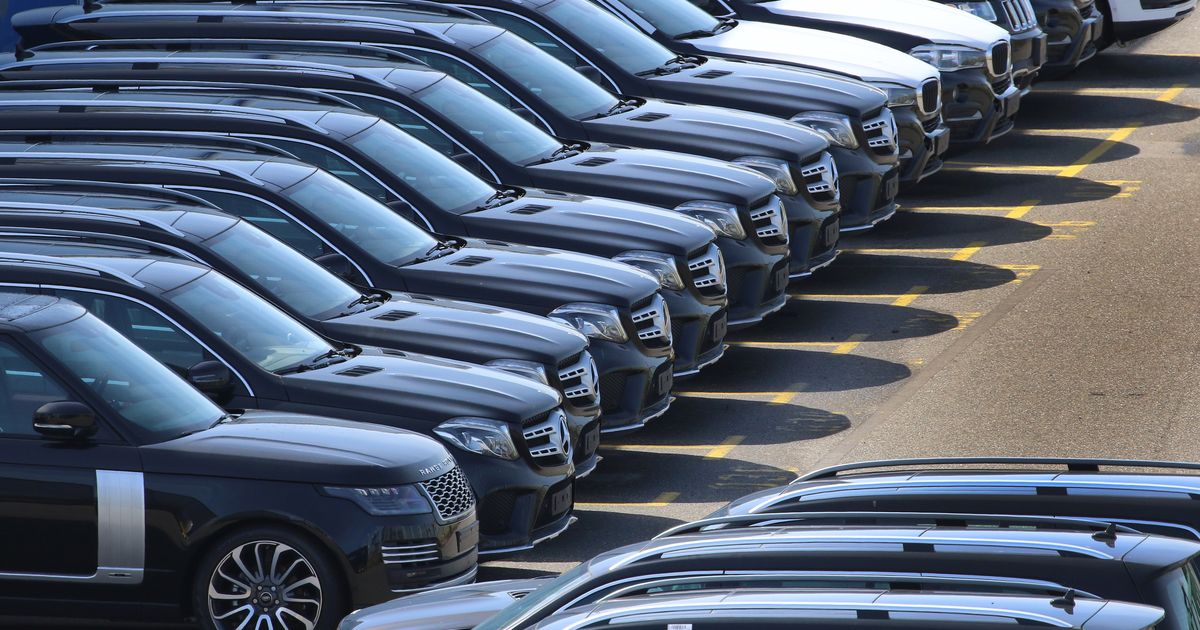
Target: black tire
{"points": [[292, 582]]}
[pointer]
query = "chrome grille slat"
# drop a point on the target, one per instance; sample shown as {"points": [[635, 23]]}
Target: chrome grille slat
{"points": [[578, 380], [450, 494], [408, 555], [821, 178], [708, 272], [1020, 14], [769, 220], [651, 323], [880, 133], [999, 59], [549, 443], [930, 100]]}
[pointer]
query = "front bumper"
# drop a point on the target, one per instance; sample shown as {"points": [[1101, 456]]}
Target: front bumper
{"points": [[1072, 34], [516, 500], [635, 388], [585, 442], [756, 280], [923, 142], [697, 329], [977, 108], [1028, 55], [868, 190]]}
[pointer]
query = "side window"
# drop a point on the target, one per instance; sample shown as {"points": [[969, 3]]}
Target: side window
{"points": [[412, 124], [24, 387], [269, 220], [466, 74], [534, 34], [150, 331], [335, 164]]}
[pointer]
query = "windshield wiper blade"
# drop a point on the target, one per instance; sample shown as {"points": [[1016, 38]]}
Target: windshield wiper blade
{"points": [[501, 197], [700, 32]]}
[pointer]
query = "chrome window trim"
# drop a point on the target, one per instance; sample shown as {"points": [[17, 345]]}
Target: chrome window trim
{"points": [[48, 184], [63, 234]]}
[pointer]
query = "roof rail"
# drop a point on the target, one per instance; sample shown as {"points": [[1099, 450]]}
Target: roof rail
{"points": [[189, 44], [420, 4], [909, 519], [218, 15], [91, 268], [84, 106], [1072, 464], [156, 161], [37, 135], [28, 208], [57, 185]]}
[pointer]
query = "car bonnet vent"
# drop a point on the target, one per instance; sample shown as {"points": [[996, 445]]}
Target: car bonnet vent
{"points": [[595, 161], [394, 316], [470, 261], [649, 117], [361, 370], [713, 74], [532, 208], [517, 594]]}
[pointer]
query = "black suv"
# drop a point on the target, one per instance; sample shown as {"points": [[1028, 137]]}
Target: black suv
{"points": [[454, 118], [364, 241], [427, 187], [115, 462], [510, 436], [524, 344], [1075, 29]]}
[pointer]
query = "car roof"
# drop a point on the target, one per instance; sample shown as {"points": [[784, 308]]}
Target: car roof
{"points": [[792, 605], [186, 222], [73, 191], [146, 273], [23, 312]]}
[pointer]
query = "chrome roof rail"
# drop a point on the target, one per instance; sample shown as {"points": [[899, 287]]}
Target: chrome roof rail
{"points": [[888, 519], [33, 136], [156, 161], [54, 185], [1072, 464], [69, 263], [187, 43], [83, 105], [24, 208]]}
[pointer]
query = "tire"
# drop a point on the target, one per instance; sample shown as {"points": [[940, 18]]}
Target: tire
{"points": [[293, 583]]}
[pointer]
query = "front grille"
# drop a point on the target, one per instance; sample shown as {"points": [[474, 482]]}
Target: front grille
{"points": [[577, 378], [1001, 85], [880, 133], [651, 323], [999, 64], [932, 124], [495, 515], [548, 441], [612, 391], [451, 494], [769, 221], [931, 96], [708, 271], [821, 179], [412, 555], [1020, 14]]}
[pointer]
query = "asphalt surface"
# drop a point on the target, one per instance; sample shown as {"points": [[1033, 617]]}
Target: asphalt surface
{"points": [[1038, 297]]}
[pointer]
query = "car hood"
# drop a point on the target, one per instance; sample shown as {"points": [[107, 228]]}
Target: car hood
{"points": [[419, 391], [692, 128], [277, 446], [459, 330], [603, 227], [659, 178], [529, 278], [769, 89], [443, 609], [811, 48], [935, 22]]}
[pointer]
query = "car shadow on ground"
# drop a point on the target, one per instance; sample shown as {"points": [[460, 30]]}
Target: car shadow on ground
{"points": [[1140, 70], [597, 530], [835, 321], [1005, 190], [947, 230], [701, 420], [640, 477], [757, 369], [1066, 110], [1033, 149], [859, 274]]}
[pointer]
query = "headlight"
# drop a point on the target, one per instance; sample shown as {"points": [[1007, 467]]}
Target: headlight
{"points": [[982, 10], [528, 369], [389, 501], [721, 217], [778, 170], [898, 95], [479, 435], [598, 321], [948, 57], [836, 128], [660, 265]]}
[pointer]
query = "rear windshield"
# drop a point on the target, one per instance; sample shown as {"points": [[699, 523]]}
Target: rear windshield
{"points": [[1178, 592]]}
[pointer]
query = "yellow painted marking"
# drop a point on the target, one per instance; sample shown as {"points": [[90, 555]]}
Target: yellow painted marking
{"points": [[967, 252], [661, 500], [1023, 209], [959, 208], [1060, 224], [771, 395], [911, 296], [1061, 237], [784, 344], [850, 344], [1171, 94], [1101, 91], [848, 296], [1098, 151], [1000, 168], [728, 445], [902, 250], [783, 398], [1067, 132], [966, 319], [1020, 267], [659, 447]]}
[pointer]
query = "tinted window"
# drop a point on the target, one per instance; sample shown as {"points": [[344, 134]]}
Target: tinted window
{"points": [[461, 71], [560, 86], [24, 387], [157, 403], [328, 160], [1178, 592], [534, 34], [504, 132], [624, 45], [673, 17], [269, 219], [407, 121]]}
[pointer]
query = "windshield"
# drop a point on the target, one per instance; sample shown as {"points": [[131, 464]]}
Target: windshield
{"points": [[286, 274], [1178, 592], [146, 393], [624, 45], [252, 326], [673, 17], [539, 603], [436, 177], [512, 137], [560, 86], [374, 227]]}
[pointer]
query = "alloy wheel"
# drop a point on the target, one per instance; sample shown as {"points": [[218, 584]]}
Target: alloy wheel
{"points": [[264, 585]]}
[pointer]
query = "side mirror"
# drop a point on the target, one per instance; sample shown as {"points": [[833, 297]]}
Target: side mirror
{"points": [[65, 420], [591, 72], [210, 377]]}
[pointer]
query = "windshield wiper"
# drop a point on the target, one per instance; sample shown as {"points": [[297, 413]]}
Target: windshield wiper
{"points": [[364, 299], [439, 249], [501, 197], [672, 65], [561, 153], [725, 25], [700, 32], [325, 359]]}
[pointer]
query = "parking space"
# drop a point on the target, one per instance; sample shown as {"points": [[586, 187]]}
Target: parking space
{"points": [[1025, 301]]}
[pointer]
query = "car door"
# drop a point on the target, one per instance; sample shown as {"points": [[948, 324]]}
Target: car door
{"points": [[70, 513]]}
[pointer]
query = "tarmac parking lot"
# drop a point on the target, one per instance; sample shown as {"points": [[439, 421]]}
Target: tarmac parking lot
{"points": [[1036, 298]]}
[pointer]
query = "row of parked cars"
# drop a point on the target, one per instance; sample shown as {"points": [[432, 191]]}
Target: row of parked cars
{"points": [[486, 232]]}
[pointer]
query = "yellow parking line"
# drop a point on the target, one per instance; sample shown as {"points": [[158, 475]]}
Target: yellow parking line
{"points": [[724, 449], [967, 252], [659, 447], [727, 394], [1171, 94], [1067, 132], [959, 208], [850, 344], [902, 250], [661, 500], [847, 296], [1101, 91], [1023, 209], [1000, 168], [783, 344], [1098, 151], [911, 296], [1019, 267]]}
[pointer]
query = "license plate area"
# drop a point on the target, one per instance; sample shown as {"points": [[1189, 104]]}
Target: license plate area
{"points": [[561, 501], [591, 440], [891, 187], [662, 383], [718, 328], [832, 233], [467, 536], [779, 279]]}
